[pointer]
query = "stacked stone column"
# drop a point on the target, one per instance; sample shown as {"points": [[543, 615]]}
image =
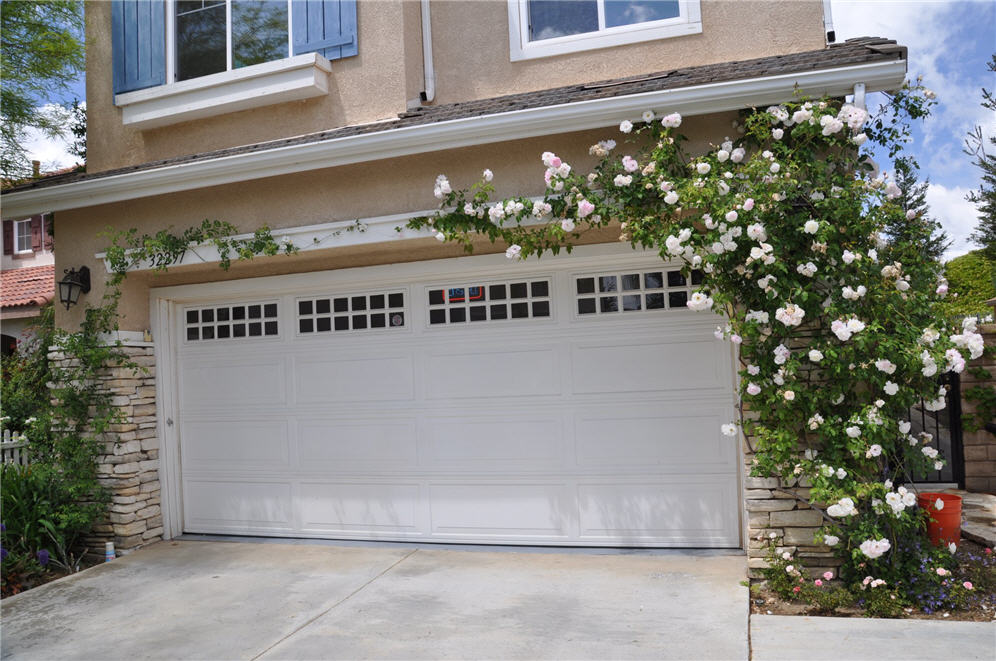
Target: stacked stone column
{"points": [[980, 445]]}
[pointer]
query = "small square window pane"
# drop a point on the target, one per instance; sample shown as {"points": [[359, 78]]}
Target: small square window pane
{"points": [[397, 319], [455, 295], [340, 305], [517, 290], [497, 293], [255, 311], [238, 330], [270, 328], [631, 302], [479, 313], [207, 315], [520, 310], [221, 314], [539, 289], [655, 301], [607, 283], [696, 277], [341, 323], [653, 280], [437, 316], [323, 306], [499, 312], [359, 303], [305, 307], [239, 312], [377, 302], [223, 332], [457, 315], [359, 321], [255, 329], [396, 300], [675, 279], [192, 316], [436, 297], [631, 282], [541, 308], [324, 324], [207, 333], [306, 325], [378, 320], [677, 299], [586, 285], [609, 304], [475, 294], [193, 333], [270, 310], [586, 306]]}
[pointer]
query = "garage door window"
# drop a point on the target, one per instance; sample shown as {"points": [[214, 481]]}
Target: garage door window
{"points": [[627, 292], [492, 301], [351, 312], [231, 322]]}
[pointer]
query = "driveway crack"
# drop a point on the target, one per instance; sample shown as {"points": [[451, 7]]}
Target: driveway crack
{"points": [[336, 604]]}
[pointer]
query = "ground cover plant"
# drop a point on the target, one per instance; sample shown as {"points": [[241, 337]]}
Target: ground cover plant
{"points": [[837, 329]]}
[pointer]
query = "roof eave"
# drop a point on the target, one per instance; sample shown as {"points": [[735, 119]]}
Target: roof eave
{"points": [[452, 134]]}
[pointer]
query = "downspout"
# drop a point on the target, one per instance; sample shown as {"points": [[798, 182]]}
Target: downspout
{"points": [[828, 22], [430, 73], [859, 95]]}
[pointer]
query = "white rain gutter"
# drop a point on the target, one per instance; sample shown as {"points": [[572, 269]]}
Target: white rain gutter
{"points": [[430, 72], [451, 134]]}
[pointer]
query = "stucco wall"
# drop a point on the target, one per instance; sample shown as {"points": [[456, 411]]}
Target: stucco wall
{"points": [[345, 193], [471, 53]]}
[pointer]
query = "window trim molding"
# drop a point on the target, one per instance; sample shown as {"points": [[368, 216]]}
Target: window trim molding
{"points": [[290, 79], [689, 21]]}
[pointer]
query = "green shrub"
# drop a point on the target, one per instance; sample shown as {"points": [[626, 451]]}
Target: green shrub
{"points": [[971, 282]]}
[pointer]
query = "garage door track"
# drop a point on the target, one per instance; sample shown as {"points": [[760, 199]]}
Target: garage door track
{"points": [[231, 600]]}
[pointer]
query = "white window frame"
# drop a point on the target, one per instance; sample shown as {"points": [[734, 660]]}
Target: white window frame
{"points": [[688, 21], [171, 41], [18, 224]]}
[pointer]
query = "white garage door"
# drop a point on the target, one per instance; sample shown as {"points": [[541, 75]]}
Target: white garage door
{"points": [[569, 401]]}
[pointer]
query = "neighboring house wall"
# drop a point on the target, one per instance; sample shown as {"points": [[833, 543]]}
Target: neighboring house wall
{"points": [[472, 61], [36, 251]]}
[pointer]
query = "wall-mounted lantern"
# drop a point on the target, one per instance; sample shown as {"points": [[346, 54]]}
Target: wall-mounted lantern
{"points": [[74, 284]]}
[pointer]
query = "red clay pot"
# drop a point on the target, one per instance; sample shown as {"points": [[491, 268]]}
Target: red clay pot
{"points": [[944, 525]]}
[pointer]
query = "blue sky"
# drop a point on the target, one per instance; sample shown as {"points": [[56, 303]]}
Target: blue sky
{"points": [[949, 43]]}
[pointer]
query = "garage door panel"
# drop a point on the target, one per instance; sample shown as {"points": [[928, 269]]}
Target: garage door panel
{"points": [[641, 366], [479, 371], [353, 378], [216, 505], [370, 509], [356, 443], [243, 443], [674, 438], [516, 441], [673, 512], [489, 510], [214, 384]]}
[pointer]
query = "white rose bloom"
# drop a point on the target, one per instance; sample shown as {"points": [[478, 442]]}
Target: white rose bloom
{"points": [[703, 168], [440, 236], [859, 139], [853, 431], [777, 134], [891, 388], [938, 465], [729, 429], [567, 225], [488, 175], [722, 155], [815, 355], [699, 302], [731, 216], [873, 451], [789, 395], [939, 504], [831, 540], [753, 389], [886, 366], [875, 548], [841, 473], [648, 115], [811, 227], [671, 197], [622, 180], [929, 452], [671, 121], [815, 421], [753, 370], [904, 426], [626, 126], [737, 155]]}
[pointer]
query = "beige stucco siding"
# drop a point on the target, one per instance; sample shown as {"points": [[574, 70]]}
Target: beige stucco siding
{"points": [[359, 191], [471, 54]]}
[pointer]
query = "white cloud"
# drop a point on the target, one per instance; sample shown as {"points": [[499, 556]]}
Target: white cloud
{"points": [[957, 216], [51, 151]]}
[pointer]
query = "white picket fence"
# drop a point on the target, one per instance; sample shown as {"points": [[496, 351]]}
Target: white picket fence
{"points": [[14, 448]]}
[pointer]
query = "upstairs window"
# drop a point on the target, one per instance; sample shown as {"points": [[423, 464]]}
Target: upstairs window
{"points": [[542, 28], [22, 236], [211, 36]]}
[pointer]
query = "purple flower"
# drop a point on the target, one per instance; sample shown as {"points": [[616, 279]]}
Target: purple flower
{"points": [[42, 557], [3, 528]]}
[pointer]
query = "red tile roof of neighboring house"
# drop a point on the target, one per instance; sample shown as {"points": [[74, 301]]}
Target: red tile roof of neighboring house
{"points": [[32, 285]]}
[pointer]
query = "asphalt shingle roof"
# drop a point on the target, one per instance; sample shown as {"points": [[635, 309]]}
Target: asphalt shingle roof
{"points": [[858, 51]]}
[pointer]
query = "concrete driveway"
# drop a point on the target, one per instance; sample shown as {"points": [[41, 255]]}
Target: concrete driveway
{"points": [[231, 600]]}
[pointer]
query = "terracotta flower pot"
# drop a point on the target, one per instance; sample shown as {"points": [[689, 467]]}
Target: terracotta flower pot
{"points": [[944, 525]]}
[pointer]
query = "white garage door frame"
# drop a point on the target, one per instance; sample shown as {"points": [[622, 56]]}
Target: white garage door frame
{"points": [[166, 303]]}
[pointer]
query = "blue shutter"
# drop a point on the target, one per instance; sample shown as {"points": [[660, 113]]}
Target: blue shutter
{"points": [[138, 44], [326, 26]]}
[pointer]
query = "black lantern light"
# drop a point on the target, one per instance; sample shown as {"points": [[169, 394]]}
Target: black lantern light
{"points": [[74, 284]]}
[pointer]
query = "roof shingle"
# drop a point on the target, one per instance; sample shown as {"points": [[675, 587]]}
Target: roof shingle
{"points": [[32, 285]]}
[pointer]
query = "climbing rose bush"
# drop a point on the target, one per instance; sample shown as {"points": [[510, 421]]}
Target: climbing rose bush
{"points": [[835, 327]]}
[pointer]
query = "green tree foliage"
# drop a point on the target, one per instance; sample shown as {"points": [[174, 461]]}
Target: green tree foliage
{"points": [[41, 52], [985, 232], [77, 127], [971, 282], [917, 228]]}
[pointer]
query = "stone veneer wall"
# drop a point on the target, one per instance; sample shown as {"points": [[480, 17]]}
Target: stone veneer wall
{"points": [[980, 446], [129, 466]]}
